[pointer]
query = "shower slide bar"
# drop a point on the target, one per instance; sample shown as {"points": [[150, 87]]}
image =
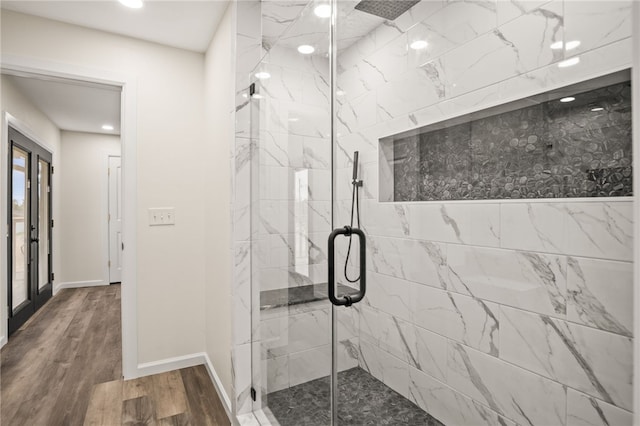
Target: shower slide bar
{"points": [[347, 299]]}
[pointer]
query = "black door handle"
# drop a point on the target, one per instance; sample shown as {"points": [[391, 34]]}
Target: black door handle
{"points": [[349, 299], [35, 240]]}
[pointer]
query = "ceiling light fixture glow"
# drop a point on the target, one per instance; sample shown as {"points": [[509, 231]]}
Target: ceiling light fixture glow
{"points": [[305, 49], [419, 44], [107, 127], [569, 62], [570, 45], [263, 75], [557, 45], [133, 4], [568, 99], [597, 109], [322, 11]]}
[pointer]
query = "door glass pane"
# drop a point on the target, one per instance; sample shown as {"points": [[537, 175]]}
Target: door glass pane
{"points": [[19, 223], [43, 223], [291, 218]]}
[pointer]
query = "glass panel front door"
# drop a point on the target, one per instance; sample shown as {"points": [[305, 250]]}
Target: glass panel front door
{"points": [[29, 254]]}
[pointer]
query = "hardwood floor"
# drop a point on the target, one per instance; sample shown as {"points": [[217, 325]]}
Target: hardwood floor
{"points": [[63, 367]]}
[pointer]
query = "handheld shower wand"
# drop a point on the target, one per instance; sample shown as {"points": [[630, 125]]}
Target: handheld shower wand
{"points": [[355, 202]]}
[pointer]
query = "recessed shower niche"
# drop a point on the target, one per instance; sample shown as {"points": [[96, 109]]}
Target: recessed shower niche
{"points": [[569, 142]]}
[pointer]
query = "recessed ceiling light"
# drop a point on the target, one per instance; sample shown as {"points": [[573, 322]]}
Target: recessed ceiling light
{"points": [[596, 109], [257, 96], [322, 11], [557, 45], [305, 49], [569, 62], [568, 99], [418, 44], [107, 127], [570, 45], [340, 93], [262, 75], [133, 4]]}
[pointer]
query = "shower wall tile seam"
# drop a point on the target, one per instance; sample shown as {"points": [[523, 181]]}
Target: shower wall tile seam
{"points": [[506, 249], [557, 317]]}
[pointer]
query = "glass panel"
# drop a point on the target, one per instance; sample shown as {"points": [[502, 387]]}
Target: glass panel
{"points": [[43, 223], [19, 223], [291, 212]]}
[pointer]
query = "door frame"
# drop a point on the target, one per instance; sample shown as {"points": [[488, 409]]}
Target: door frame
{"points": [[128, 137], [36, 150], [107, 228]]}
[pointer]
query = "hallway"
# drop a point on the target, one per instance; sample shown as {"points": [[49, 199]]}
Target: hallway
{"points": [[63, 367]]}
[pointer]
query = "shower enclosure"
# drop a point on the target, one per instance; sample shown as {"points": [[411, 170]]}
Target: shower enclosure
{"points": [[494, 142]]}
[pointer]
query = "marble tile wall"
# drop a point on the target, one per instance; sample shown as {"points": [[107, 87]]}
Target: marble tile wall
{"points": [[481, 313], [488, 312]]}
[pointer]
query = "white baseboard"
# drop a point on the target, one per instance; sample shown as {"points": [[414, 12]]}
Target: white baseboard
{"points": [[170, 364], [201, 358], [3, 341], [78, 284], [224, 397]]}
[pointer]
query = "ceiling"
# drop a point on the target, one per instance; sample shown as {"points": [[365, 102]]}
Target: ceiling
{"points": [[72, 105], [184, 24]]}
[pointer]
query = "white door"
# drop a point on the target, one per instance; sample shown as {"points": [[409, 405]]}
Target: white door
{"points": [[115, 220]]}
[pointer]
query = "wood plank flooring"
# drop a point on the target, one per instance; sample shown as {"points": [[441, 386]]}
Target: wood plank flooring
{"points": [[63, 367]]}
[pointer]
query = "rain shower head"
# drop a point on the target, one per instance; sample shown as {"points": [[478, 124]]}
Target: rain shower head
{"points": [[387, 9]]}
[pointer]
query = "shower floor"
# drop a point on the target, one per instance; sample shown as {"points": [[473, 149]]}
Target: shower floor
{"points": [[363, 400]]}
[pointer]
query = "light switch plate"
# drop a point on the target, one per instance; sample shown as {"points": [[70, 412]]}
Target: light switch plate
{"points": [[162, 216]]}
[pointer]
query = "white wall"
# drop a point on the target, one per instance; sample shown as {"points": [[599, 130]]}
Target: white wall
{"points": [[84, 205], [219, 125], [40, 128], [170, 130]]}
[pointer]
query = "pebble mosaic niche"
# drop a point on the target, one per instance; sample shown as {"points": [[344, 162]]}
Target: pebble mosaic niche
{"points": [[546, 146]]}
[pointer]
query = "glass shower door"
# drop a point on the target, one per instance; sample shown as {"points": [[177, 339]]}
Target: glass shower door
{"points": [[291, 212]]}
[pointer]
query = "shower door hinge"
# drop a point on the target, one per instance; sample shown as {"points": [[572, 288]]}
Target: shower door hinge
{"points": [[252, 89], [253, 394]]}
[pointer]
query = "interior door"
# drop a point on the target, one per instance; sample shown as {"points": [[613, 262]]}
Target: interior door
{"points": [[115, 220], [29, 241]]}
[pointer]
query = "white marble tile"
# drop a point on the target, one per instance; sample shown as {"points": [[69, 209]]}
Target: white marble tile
{"points": [[348, 323], [533, 226], [464, 319], [418, 13], [511, 9], [309, 365], [447, 405], [369, 359], [600, 294], [385, 219], [277, 372], [388, 62], [309, 330], [242, 378], [413, 260], [582, 410], [477, 224], [427, 351], [398, 97], [526, 397], [369, 325], [394, 373], [357, 113], [389, 294], [315, 90], [603, 230], [532, 34], [274, 337], [394, 336], [277, 16], [526, 280], [284, 84], [242, 294], [348, 354], [316, 153], [593, 361], [596, 23]]}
